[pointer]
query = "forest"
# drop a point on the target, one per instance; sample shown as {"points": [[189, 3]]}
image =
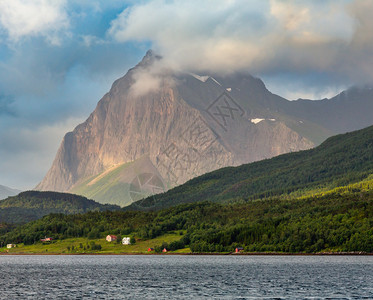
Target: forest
{"points": [[32, 205], [338, 220]]}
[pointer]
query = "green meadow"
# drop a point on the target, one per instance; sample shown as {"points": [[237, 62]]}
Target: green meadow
{"points": [[84, 245]]}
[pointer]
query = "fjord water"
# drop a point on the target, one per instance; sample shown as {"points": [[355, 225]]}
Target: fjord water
{"points": [[186, 277]]}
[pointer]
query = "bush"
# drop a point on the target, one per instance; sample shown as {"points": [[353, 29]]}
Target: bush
{"points": [[95, 246], [119, 239]]}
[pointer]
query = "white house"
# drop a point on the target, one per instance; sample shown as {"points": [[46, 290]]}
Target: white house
{"points": [[10, 246], [126, 241]]}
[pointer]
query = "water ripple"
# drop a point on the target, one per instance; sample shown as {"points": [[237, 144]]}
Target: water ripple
{"points": [[186, 277]]}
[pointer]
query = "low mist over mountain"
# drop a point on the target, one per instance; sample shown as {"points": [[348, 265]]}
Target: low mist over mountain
{"points": [[156, 129], [6, 192]]}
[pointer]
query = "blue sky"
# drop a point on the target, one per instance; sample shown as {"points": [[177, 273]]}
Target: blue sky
{"points": [[58, 58]]}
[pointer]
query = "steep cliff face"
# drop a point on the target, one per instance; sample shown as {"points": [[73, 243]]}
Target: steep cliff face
{"points": [[183, 125]]}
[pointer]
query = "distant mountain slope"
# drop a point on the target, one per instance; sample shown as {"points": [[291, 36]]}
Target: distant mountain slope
{"points": [[113, 185], [6, 192], [33, 205], [340, 160], [185, 125], [350, 110]]}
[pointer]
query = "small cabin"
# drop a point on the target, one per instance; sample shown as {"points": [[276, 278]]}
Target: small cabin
{"points": [[46, 239], [150, 249], [111, 238], [239, 249], [164, 250], [11, 246], [126, 241]]}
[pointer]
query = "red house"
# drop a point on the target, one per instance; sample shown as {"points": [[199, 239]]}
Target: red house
{"points": [[46, 239], [150, 249], [239, 249], [111, 238]]}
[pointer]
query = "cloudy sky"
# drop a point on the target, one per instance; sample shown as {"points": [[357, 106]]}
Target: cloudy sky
{"points": [[58, 58]]}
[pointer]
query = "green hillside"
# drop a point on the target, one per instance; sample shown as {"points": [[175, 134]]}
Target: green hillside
{"points": [[333, 221], [340, 160], [114, 185], [104, 186], [33, 205]]}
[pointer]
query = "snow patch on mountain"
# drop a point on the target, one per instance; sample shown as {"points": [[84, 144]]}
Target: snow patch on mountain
{"points": [[258, 120], [200, 78], [204, 78], [215, 80]]}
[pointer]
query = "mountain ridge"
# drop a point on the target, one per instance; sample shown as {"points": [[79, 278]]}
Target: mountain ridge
{"points": [[185, 125], [340, 160], [7, 191], [32, 205]]}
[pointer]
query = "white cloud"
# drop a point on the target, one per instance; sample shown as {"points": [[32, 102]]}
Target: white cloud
{"points": [[145, 82], [149, 78], [21, 18], [89, 40], [313, 22], [261, 37], [296, 89], [193, 32]]}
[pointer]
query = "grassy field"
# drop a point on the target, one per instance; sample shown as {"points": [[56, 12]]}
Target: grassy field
{"points": [[81, 246]]}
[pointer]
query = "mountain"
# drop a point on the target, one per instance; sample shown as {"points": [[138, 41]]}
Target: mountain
{"points": [[340, 160], [156, 129], [318, 200], [6, 192], [32, 205], [345, 112]]}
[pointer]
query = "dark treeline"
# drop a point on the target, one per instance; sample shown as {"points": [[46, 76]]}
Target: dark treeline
{"points": [[333, 221], [32, 205]]}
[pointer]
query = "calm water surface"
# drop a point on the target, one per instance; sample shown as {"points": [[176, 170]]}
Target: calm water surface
{"points": [[186, 277]]}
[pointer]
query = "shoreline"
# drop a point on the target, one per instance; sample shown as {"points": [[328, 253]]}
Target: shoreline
{"points": [[203, 254]]}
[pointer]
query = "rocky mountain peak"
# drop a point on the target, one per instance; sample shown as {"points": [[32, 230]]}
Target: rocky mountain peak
{"points": [[152, 132], [149, 58]]}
